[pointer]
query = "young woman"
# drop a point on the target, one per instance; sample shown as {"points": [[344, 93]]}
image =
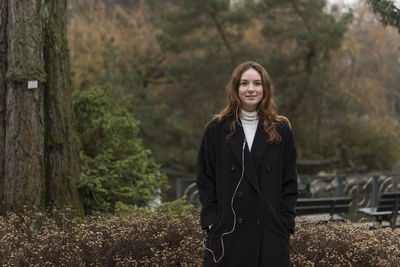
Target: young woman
{"points": [[247, 177]]}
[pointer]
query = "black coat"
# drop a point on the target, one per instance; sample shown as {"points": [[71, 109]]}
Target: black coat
{"points": [[264, 202]]}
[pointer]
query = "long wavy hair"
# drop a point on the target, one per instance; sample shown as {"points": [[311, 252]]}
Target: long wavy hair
{"points": [[266, 109]]}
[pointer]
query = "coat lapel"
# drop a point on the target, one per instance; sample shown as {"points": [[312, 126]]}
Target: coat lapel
{"points": [[236, 144], [236, 140], [259, 144]]}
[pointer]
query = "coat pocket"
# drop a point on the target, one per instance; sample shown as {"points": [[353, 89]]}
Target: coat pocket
{"points": [[215, 224], [284, 225], [213, 241]]}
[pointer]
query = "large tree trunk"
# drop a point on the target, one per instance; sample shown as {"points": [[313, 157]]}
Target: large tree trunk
{"points": [[61, 152], [3, 85], [39, 157]]}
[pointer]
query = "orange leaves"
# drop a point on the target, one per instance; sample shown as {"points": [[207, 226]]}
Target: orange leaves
{"points": [[368, 63], [100, 24]]}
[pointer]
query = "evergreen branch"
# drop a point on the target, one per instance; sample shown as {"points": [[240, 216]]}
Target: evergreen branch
{"points": [[389, 13], [301, 15]]}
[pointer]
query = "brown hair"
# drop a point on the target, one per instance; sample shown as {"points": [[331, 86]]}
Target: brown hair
{"points": [[266, 110]]}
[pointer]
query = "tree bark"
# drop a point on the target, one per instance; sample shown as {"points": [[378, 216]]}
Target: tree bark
{"points": [[39, 157], [24, 144], [61, 151], [3, 86]]}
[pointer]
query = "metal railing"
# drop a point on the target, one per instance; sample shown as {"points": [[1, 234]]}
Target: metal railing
{"points": [[190, 191], [364, 189]]}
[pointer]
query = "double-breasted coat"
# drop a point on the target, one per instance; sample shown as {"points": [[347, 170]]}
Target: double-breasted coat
{"points": [[264, 202]]}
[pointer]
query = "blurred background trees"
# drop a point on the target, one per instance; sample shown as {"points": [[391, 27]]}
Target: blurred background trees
{"points": [[166, 64]]}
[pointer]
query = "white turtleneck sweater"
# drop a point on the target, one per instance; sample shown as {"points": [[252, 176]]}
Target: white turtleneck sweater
{"points": [[249, 122]]}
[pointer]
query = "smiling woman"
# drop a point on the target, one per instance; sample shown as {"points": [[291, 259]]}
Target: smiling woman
{"points": [[247, 177], [250, 90]]}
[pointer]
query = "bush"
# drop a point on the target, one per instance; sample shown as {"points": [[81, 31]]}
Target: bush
{"points": [[342, 244], [144, 238], [117, 171], [170, 236]]}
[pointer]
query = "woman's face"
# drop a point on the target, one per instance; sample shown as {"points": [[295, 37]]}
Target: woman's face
{"points": [[250, 90]]}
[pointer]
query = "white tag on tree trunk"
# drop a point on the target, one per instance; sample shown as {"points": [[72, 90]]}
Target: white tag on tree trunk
{"points": [[32, 84]]}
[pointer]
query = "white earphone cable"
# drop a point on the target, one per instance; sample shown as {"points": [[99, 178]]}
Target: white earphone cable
{"points": [[233, 211]]}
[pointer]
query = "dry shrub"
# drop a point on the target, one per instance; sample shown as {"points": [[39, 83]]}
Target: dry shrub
{"points": [[36, 239], [343, 244], [143, 238], [168, 237]]}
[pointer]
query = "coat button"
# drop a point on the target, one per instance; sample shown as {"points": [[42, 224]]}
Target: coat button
{"points": [[239, 220], [259, 221], [268, 168], [233, 167], [258, 195], [240, 194]]}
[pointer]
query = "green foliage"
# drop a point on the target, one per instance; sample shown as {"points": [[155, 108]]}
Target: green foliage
{"points": [[201, 43], [389, 13], [116, 169], [197, 31], [361, 143], [303, 39], [374, 144], [178, 207]]}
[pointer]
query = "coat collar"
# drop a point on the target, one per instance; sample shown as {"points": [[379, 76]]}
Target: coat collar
{"points": [[259, 143]]}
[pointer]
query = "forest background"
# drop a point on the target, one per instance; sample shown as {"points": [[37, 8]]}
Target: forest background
{"points": [[149, 74]]}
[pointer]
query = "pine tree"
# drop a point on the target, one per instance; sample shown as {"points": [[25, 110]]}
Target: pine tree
{"points": [[202, 44], [388, 11]]}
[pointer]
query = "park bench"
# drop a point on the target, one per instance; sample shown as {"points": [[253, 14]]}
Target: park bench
{"points": [[324, 208], [386, 210]]}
